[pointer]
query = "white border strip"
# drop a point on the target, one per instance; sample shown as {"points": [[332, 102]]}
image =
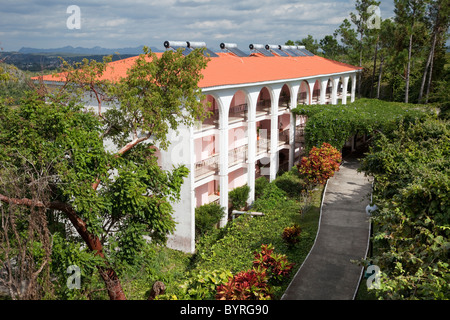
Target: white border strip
{"points": [[367, 250], [317, 235]]}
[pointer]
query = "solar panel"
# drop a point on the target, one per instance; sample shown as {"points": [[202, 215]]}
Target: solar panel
{"points": [[238, 52], [260, 49], [185, 51], [275, 49], [307, 52], [303, 50], [187, 47], [207, 52], [232, 47], [280, 53], [300, 53], [292, 53], [287, 49], [210, 53]]}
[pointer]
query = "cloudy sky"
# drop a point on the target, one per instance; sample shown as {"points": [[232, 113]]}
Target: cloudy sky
{"points": [[130, 23]]}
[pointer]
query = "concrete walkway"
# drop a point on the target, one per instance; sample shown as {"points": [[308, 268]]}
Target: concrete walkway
{"points": [[328, 273]]}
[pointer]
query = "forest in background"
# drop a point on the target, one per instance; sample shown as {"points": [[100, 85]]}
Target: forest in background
{"points": [[405, 58]]}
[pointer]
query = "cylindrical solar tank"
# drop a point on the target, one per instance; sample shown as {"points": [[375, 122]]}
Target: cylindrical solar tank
{"points": [[196, 44], [168, 44], [272, 46], [255, 46], [228, 45]]}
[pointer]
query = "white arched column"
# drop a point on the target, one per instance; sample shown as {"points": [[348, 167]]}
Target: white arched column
{"points": [[352, 97], [252, 98], [323, 89], [334, 91], [224, 100], [273, 154], [344, 89], [294, 93], [311, 85]]}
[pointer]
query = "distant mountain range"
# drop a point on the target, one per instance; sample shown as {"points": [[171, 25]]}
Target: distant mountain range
{"points": [[87, 51]]}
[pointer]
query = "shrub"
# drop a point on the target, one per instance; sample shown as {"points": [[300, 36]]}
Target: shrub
{"points": [[321, 164], [239, 196], [253, 284], [206, 217], [245, 285], [202, 285], [260, 185], [291, 183], [270, 199], [276, 265], [291, 234]]}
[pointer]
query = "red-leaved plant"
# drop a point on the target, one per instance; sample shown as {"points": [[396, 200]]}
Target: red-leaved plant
{"points": [[253, 284], [321, 164], [291, 234], [245, 285], [276, 265]]}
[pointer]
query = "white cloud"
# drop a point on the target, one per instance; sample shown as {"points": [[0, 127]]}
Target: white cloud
{"points": [[114, 23]]}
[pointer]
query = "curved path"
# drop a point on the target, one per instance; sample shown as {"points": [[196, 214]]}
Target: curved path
{"points": [[327, 272]]}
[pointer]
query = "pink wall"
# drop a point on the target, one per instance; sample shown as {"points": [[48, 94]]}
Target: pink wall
{"points": [[239, 98], [237, 178], [237, 137], [205, 147], [202, 192], [284, 121]]}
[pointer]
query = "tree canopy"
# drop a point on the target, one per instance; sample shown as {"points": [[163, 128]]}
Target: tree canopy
{"points": [[96, 204]]}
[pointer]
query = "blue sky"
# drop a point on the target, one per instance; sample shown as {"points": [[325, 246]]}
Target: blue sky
{"points": [[118, 24]]}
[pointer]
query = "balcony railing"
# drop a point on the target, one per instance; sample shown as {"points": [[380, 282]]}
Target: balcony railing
{"points": [[263, 107], [283, 137], [237, 155], [207, 167], [262, 146], [211, 122], [300, 133], [238, 113]]}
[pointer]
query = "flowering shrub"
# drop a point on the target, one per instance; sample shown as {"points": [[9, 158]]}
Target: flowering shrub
{"points": [[321, 164], [291, 234]]}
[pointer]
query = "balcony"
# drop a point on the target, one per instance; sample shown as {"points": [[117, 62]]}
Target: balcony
{"points": [[209, 123], [262, 146], [262, 108], [300, 133], [206, 167], [283, 138], [237, 155], [238, 113]]}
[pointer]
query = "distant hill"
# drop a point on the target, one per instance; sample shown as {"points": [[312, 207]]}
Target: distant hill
{"points": [[86, 51], [50, 61]]}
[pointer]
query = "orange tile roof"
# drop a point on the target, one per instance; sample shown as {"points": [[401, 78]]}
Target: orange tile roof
{"points": [[229, 69]]}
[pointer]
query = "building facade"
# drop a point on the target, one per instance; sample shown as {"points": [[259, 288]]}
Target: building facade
{"points": [[252, 131]]}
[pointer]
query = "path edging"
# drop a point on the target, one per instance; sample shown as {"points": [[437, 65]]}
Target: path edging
{"points": [[315, 239]]}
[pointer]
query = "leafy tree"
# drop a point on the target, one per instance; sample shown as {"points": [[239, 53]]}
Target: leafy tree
{"points": [[331, 48], [411, 227], [109, 199], [409, 14], [438, 13]]}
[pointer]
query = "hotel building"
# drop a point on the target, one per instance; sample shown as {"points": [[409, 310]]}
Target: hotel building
{"points": [[252, 131]]}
